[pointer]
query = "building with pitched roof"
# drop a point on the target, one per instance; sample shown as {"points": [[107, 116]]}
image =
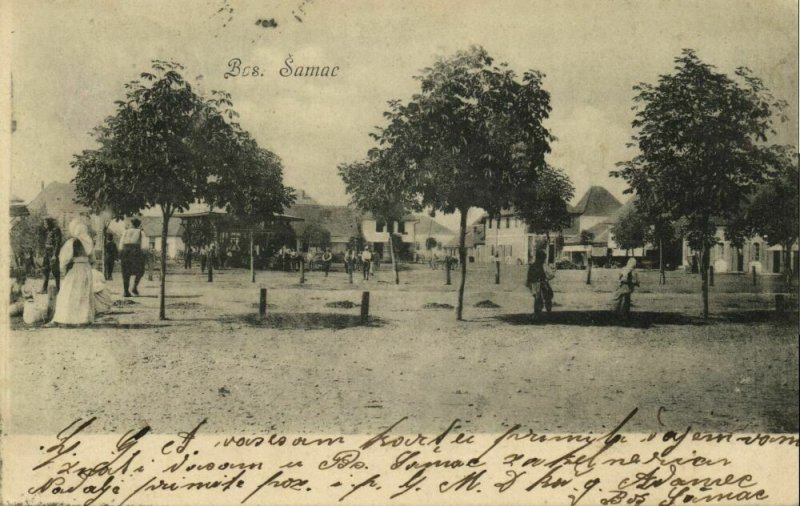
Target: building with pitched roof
{"points": [[427, 228], [57, 200], [510, 240], [342, 222]]}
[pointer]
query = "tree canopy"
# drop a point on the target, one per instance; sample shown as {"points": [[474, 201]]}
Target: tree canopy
{"points": [[380, 185], [166, 146], [701, 137], [473, 136], [544, 206], [630, 229]]}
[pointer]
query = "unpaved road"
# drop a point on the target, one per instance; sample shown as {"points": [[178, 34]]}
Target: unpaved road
{"points": [[312, 368]]}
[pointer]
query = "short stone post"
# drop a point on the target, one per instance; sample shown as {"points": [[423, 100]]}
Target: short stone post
{"points": [[262, 304], [364, 308]]}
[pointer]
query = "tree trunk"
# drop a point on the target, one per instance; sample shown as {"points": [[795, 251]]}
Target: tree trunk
{"points": [[252, 262], [462, 255], [162, 312], [546, 249], [497, 271], [787, 265], [662, 278], [589, 268], [394, 260], [704, 260]]}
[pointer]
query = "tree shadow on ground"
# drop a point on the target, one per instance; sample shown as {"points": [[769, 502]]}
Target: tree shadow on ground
{"points": [[168, 296], [646, 319], [304, 321]]}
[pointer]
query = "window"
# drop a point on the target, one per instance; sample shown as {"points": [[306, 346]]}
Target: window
{"points": [[490, 223], [756, 251], [379, 226], [492, 249], [401, 227], [508, 222]]}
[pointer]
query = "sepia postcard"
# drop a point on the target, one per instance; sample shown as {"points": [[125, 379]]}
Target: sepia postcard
{"points": [[399, 252]]}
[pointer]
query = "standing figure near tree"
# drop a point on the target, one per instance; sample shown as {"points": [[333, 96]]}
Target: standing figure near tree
{"points": [[366, 262], [109, 256], [538, 281], [327, 257], [131, 257], [622, 297], [75, 303], [52, 246]]}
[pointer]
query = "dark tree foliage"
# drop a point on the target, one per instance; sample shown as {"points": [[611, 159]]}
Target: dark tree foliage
{"points": [[380, 185], [701, 138], [471, 137], [166, 146], [773, 211], [315, 235], [544, 205], [630, 229]]}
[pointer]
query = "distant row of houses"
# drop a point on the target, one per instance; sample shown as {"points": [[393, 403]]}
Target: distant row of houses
{"points": [[508, 239], [505, 238], [57, 200]]}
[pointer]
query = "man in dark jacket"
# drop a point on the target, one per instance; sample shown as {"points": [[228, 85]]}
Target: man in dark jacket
{"points": [[52, 246], [538, 283], [109, 256]]}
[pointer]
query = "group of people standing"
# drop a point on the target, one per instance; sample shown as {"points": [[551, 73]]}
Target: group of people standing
{"points": [[81, 291], [353, 260], [539, 277]]}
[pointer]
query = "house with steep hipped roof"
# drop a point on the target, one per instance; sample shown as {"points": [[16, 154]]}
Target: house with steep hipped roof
{"points": [[429, 231], [57, 200], [342, 222], [509, 239]]}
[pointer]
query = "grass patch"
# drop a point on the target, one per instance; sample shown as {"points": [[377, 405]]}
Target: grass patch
{"points": [[184, 305], [307, 321], [436, 305], [487, 304], [344, 304]]}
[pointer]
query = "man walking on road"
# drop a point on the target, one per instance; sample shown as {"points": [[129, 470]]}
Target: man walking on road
{"points": [[132, 257], [366, 262]]}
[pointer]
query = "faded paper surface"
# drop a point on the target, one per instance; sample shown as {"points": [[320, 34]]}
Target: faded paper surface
{"points": [[724, 394]]}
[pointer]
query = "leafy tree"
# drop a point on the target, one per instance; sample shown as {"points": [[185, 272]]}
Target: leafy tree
{"points": [[379, 186], [250, 183], [316, 235], [630, 229], [773, 212], [283, 234], [159, 149], [27, 237], [431, 243], [544, 207], [197, 232], [701, 136], [471, 137]]}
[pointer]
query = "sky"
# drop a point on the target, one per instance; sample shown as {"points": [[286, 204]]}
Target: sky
{"points": [[71, 59]]}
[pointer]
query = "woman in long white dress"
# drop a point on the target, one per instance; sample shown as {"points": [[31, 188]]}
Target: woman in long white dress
{"points": [[75, 302]]}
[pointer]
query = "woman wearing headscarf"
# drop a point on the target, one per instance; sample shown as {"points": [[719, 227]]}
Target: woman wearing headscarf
{"points": [[538, 281], [622, 297], [75, 302]]}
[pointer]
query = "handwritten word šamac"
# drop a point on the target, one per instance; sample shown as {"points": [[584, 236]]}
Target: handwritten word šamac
{"points": [[517, 466]]}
